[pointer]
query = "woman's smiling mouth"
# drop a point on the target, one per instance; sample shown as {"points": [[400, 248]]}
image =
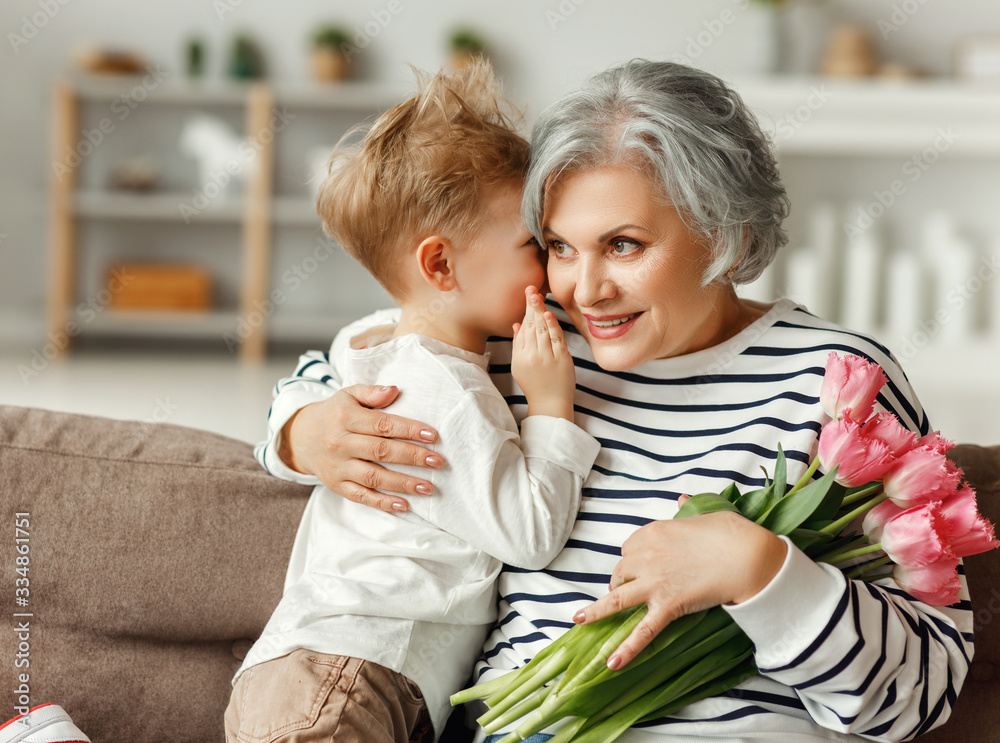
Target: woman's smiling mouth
{"points": [[610, 326]]}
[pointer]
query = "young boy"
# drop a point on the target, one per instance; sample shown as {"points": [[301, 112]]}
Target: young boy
{"points": [[384, 614]]}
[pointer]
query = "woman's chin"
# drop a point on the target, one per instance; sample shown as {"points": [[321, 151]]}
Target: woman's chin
{"points": [[615, 359]]}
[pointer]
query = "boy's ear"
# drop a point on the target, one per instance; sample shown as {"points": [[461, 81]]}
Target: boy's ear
{"points": [[436, 262]]}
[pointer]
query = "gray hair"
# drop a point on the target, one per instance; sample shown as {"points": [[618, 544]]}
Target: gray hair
{"points": [[694, 136]]}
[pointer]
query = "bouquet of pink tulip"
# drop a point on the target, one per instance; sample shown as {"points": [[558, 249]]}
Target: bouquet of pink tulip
{"points": [[915, 511]]}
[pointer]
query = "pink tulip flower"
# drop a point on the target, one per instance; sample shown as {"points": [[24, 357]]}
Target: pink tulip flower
{"points": [[918, 536], [876, 519], [921, 475], [886, 428], [936, 584], [936, 442], [860, 459], [970, 532], [850, 386]]}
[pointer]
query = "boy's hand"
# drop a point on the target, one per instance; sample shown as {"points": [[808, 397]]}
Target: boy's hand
{"points": [[541, 363]]}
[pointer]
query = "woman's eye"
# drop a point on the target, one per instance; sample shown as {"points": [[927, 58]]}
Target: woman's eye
{"points": [[559, 248], [623, 247]]}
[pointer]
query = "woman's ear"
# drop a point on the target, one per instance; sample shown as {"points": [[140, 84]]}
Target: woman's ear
{"points": [[436, 262]]}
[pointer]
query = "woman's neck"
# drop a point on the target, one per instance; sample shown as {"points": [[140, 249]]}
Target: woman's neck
{"points": [[733, 317]]}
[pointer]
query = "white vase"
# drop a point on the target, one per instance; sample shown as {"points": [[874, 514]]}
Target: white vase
{"points": [[804, 29], [761, 26]]}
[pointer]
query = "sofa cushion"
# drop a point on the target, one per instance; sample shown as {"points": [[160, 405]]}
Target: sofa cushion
{"points": [[976, 716], [156, 552]]}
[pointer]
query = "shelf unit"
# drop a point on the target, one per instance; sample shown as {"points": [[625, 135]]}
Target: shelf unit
{"points": [[909, 133], [258, 213], [827, 116], [842, 142]]}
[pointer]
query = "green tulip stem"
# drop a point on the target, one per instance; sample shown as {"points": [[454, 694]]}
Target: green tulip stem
{"points": [[855, 497], [838, 526], [849, 554], [813, 466], [860, 570]]}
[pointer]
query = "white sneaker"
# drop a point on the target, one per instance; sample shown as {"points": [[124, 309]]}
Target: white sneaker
{"points": [[46, 723]]}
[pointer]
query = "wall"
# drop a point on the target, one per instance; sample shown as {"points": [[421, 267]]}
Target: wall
{"points": [[542, 49]]}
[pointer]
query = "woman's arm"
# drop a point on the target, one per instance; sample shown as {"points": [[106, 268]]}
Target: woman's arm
{"points": [[318, 432]]}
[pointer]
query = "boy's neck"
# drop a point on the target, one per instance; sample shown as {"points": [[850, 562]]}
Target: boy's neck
{"points": [[438, 323]]}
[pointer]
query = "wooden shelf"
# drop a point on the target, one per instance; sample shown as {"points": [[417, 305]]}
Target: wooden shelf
{"points": [[143, 88], [826, 116], [344, 96], [165, 324], [152, 206], [256, 211]]}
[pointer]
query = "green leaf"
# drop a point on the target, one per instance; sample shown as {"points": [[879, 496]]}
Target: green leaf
{"points": [[731, 493], [705, 503], [828, 509], [745, 670], [780, 475], [718, 661], [789, 513], [807, 539], [756, 502]]}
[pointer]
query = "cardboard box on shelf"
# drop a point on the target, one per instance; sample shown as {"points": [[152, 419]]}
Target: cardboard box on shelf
{"points": [[154, 286]]}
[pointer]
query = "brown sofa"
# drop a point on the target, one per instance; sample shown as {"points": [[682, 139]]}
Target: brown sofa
{"points": [[158, 552]]}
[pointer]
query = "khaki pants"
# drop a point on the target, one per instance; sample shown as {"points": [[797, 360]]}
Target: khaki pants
{"points": [[305, 696]]}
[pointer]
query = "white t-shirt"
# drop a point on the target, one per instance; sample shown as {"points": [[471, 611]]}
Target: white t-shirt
{"points": [[416, 591]]}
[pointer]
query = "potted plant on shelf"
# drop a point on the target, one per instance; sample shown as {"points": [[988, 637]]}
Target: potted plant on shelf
{"points": [[465, 44], [330, 60]]}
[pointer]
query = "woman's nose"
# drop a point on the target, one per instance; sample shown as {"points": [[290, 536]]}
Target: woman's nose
{"points": [[593, 284]]}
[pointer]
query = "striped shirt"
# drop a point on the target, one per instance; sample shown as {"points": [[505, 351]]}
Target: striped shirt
{"points": [[838, 658]]}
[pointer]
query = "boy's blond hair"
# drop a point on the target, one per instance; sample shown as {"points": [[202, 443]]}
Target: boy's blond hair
{"points": [[422, 169]]}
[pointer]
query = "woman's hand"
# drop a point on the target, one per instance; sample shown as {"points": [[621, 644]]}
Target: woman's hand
{"points": [[540, 362], [340, 440], [682, 566]]}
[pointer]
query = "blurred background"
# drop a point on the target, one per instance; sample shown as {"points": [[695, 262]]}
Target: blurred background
{"points": [[160, 257]]}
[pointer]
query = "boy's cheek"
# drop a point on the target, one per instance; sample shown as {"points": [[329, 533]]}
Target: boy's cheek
{"points": [[544, 288]]}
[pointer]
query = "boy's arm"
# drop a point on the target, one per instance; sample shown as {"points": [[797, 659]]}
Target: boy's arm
{"points": [[515, 498]]}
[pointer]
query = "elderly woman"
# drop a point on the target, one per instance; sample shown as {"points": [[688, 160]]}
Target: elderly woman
{"points": [[655, 193]]}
